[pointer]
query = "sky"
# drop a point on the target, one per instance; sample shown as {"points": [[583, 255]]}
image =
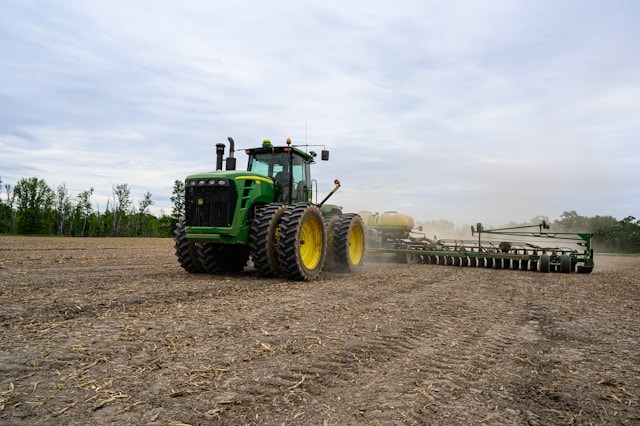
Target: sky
{"points": [[468, 111]]}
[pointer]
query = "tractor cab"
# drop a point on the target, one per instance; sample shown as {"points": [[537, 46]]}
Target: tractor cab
{"points": [[287, 166]]}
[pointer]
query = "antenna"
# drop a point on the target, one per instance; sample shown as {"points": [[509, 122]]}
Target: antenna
{"points": [[305, 133]]}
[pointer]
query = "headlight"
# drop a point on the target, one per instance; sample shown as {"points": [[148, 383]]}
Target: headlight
{"points": [[222, 182]]}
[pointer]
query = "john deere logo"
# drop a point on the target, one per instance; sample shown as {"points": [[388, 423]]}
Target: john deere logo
{"points": [[200, 201]]}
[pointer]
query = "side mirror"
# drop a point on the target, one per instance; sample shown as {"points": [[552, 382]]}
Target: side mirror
{"points": [[325, 155]]}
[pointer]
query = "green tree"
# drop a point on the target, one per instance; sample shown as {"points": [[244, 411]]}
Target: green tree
{"points": [[177, 200], [64, 209], [83, 212], [7, 209], [626, 234], [121, 205], [34, 200], [572, 222], [165, 226], [144, 219], [603, 228]]}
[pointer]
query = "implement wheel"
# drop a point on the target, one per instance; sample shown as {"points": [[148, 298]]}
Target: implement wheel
{"points": [[303, 245], [187, 252], [264, 238], [565, 264], [584, 269], [412, 259], [348, 244], [545, 261]]}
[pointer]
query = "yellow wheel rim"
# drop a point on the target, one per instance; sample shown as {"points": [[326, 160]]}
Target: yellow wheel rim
{"points": [[311, 243], [356, 244]]}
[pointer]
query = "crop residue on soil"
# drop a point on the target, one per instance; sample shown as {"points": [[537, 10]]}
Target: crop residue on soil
{"points": [[113, 330]]}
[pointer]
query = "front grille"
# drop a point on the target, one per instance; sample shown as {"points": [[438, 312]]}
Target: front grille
{"points": [[210, 205]]}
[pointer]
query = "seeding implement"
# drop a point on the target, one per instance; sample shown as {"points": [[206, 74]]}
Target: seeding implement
{"points": [[265, 213], [393, 236]]}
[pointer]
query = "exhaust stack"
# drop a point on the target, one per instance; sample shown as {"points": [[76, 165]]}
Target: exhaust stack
{"points": [[231, 161], [219, 155]]}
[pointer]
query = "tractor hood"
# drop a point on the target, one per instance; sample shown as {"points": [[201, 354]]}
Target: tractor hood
{"points": [[236, 175]]}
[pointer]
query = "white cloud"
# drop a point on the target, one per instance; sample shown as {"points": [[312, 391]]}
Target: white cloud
{"points": [[504, 110]]}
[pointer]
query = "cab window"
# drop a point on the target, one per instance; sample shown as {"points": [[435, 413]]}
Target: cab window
{"points": [[276, 166]]}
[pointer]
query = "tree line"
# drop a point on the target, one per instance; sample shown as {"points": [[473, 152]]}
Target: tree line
{"points": [[609, 233], [32, 207]]}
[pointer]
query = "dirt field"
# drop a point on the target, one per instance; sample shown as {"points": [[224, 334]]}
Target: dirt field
{"points": [[113, 330]]}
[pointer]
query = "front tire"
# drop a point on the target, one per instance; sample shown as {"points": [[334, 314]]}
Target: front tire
{"points": [[187, 252], [219, 258], [208, 254]]}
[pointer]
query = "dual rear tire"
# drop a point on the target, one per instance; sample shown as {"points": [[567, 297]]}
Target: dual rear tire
{"points": [[347, 243], [298, 243]]}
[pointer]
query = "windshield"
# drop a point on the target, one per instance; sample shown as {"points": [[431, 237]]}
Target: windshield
{"points": [[269, 164], [276, 165]]}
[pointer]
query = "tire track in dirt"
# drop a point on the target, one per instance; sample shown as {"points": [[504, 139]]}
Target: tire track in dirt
{"points": [[396, 344], [69, 299], [458, 365], [340, 356], [442, 358], [465, 361]]}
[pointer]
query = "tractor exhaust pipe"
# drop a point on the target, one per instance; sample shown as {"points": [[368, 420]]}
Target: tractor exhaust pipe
{"points": [[231, 161], [219, 155]]}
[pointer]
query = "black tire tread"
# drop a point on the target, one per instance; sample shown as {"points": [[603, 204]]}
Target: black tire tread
{"points": [[329, 228], [545, 263], [289, 247], [209, 258], [341, 242], [263, 253], [186, 251], [565, 264]]}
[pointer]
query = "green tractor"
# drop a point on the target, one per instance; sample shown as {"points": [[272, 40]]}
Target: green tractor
{"points": [[265, 213]]}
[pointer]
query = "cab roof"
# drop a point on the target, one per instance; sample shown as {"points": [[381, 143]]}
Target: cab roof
{"points": [[270, 149]]}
